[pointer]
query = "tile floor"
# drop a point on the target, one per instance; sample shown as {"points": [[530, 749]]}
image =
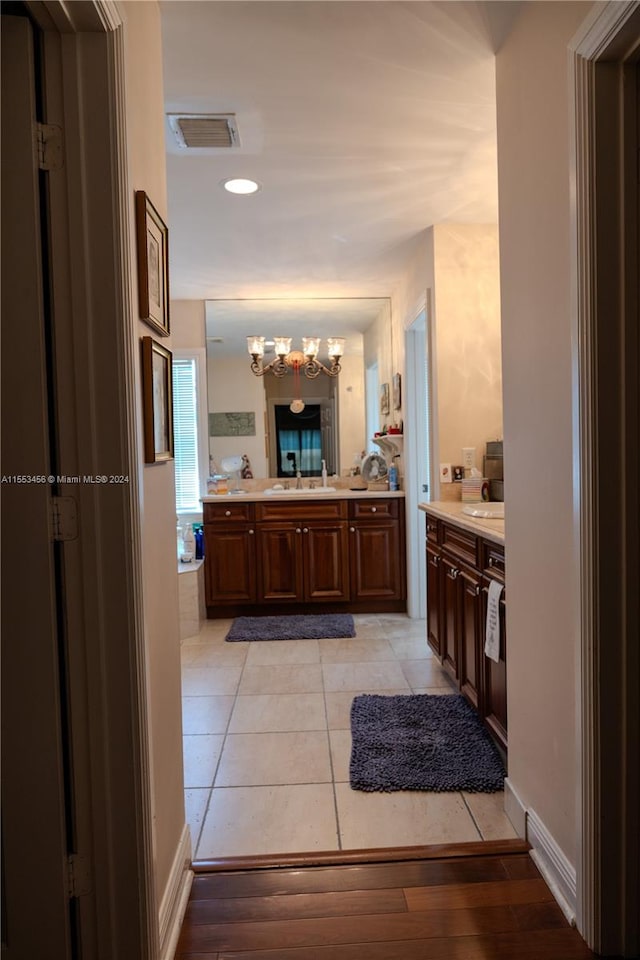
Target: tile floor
{"points": [[267, 744]]}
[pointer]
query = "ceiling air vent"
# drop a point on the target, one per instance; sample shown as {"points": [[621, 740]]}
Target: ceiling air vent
{"points": [[205, 130]]}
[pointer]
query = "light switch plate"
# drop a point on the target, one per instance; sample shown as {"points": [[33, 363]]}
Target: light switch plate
{"points": [[445, 473]]}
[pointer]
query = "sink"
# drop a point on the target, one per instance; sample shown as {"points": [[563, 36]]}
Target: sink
{"points": [[277, 492], [485, 511]]}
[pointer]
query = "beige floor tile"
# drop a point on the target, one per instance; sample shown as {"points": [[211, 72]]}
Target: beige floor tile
{"points": [[339, 706], [355, 650], [381, 675], [401, 819], [279, 819], [269, 652], [250, 759], [369, 631], [406, 629], [214, 654], [424, 673], [209, 681], [283, 678], [340, 754], [488, 812], [437, 691], [206, 714], [201, 754], [273, 712], [195, 805], [415, 648]]}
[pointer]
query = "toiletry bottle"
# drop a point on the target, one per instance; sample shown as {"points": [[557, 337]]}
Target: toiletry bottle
{"points": [[179, 538], [324, 473], [393, 476], [189, 544]]}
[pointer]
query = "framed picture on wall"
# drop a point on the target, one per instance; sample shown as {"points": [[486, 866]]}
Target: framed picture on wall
{"points": [[397, 395], [153, 265], [157, 401], [384, 399]]}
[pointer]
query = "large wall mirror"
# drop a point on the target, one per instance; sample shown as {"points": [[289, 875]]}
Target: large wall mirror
{"points": [[291, 423]]}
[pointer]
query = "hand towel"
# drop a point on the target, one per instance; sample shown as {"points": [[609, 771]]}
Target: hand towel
{"points": [[492, 635]]}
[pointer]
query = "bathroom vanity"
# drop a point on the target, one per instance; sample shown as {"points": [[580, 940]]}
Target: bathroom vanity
{"points": [[334, 552], [464, 554]]}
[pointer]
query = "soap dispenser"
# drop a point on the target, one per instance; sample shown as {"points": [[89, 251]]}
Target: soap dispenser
{"points": [[324, 473]]}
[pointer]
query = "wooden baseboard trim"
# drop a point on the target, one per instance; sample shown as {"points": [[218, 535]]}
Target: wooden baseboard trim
{"points": [[439, 851]]}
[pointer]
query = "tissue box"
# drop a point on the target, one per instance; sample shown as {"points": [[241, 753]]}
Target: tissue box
{"points": [[475, 489]]}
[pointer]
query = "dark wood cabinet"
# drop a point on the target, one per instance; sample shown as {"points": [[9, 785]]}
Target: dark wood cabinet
{"points": [[293, 552], [460, 567]]}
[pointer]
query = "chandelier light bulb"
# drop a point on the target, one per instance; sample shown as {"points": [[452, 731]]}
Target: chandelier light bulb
{"points": [[282, 346], [335, 347], [311, 347], [255, 346]]}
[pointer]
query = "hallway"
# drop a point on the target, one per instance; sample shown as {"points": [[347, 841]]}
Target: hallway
{"points": [[267, 745]]}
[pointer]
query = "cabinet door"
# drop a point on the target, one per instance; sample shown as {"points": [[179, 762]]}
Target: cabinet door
{"points": [[377, 567], [280, 561], [326, 570], [450, 616], [469, 635], [230, 564], [494, 695], [434, 583]]}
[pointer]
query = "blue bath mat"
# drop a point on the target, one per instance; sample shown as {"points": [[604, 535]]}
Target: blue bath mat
{"points": [[297, 627], [421, 742]]}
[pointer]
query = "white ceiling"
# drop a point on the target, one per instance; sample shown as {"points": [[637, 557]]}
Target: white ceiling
{"points": [[364, 122]]}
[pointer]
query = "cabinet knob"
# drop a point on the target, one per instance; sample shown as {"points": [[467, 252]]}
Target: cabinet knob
{"points": [[374, 509], [227, 513], [305, 529], [352, 529], [251, 531], [298, 530]]}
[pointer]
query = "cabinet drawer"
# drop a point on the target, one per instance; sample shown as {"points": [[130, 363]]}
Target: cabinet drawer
{"points": [[302, 510], [493, 560], [460, 543], [432, 529], [230, 510], [376, 509]]}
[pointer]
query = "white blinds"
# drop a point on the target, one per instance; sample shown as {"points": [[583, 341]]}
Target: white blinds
{"points": [[185, 428]]}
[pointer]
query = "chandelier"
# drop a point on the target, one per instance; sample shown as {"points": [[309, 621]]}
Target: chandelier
{"points": [[305, 360]]}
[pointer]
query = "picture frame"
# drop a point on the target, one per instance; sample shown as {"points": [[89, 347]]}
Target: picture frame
{"points": [[384, 399], [157, 401], [152, 241], [397, 392]]}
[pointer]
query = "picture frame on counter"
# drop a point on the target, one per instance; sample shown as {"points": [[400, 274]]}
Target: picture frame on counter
{"points": [[152, 243], [157, 401]]}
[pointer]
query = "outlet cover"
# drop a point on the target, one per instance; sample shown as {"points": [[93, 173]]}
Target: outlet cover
{"points": [[468, 457], [445, 473]]}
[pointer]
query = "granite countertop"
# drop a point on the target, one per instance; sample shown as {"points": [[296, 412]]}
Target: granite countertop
{"points": [[260, 495], [491, 528]]}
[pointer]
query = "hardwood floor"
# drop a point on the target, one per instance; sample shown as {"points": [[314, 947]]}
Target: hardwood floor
{"points": [[474, 901]]}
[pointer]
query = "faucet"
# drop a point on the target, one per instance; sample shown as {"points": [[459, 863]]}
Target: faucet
{"points": [[298, 480]]}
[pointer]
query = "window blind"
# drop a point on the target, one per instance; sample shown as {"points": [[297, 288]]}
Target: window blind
{"points": [[185, 428]]}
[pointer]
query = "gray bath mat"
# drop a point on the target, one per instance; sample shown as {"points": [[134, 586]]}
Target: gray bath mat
{"points": [[297, 627], [421, 742]]}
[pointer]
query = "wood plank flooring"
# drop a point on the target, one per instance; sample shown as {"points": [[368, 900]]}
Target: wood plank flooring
{"points": [[480, 901]]}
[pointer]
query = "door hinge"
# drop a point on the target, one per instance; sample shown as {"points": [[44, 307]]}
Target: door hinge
{"points": [[78, 876], [425, 488], [49, 141], [64, 519]]}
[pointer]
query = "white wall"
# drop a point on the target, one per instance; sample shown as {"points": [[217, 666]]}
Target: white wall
{"points": [[534, 196], [146, 153], [187, 324], [233, 388], [351, 401]]}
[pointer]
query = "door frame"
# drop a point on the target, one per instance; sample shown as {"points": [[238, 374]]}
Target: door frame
{"points": [[606, 369], [89, 208]]}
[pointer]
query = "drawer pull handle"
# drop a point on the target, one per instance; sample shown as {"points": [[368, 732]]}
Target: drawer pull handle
{"points": [[495, 562], [434, 561], [453, 573], [477, 591], [227, 513]]}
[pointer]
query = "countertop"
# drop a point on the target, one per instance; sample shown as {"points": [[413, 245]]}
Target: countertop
{"points": [[489, 528], [346, 494]]}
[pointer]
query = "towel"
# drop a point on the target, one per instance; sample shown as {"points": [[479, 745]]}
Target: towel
{"points": [[492, 636]]}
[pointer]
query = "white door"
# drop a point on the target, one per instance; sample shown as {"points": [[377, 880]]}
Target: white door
{"points": [[36, 908]]}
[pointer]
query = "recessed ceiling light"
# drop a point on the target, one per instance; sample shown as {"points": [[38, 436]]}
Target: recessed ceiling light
{"points": [[241, 185]]}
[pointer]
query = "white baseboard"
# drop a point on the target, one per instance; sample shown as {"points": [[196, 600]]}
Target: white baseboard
{"points": [[554, 866], [515, 809], [175, 897]]}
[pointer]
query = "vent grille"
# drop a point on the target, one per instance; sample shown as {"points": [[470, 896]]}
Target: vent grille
{"points": [[198, 130]]}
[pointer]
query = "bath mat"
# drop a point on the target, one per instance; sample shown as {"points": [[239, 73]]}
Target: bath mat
{"points": [[297, 627], [421, 742]]}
